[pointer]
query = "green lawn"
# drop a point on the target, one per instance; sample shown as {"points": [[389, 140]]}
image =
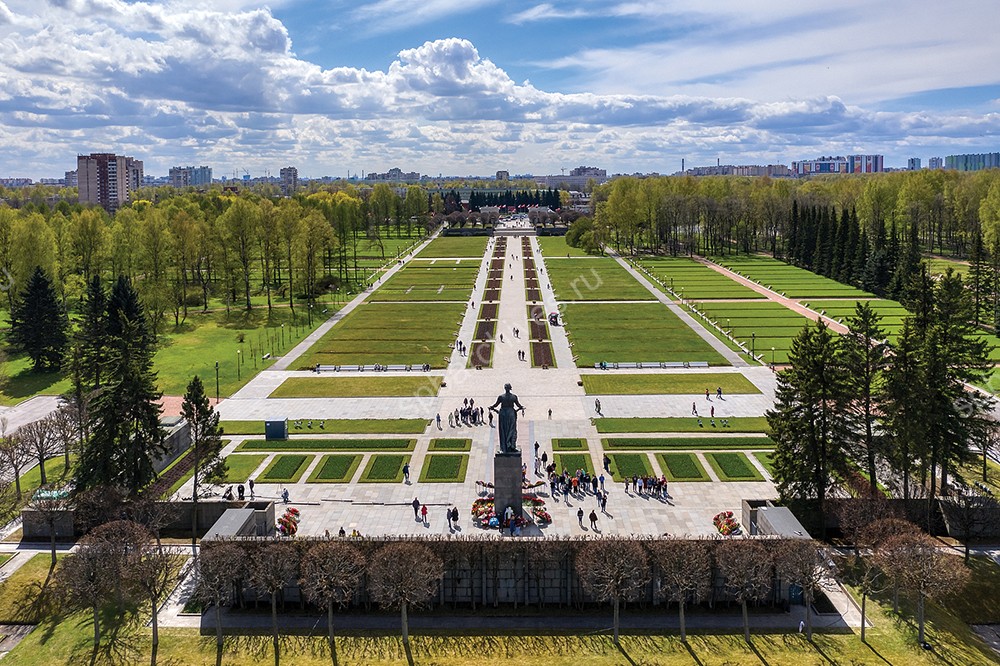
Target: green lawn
{"points": [[328, 445], [356, 387], [390, 334], [737, 424], [4, 558], [766, 458], [790, 280], [554, 247], [384, 468], [285, 469], [450, 445], [668, 384], [55, 474], [333, 427], [733, 466], [25, 596], [335, 469], [759, 325], [594, 280], [632, 332], [625, 465], [444, 468], [455, 246], [569, 444], [240, 468], [682, 467], [691, 279], [573, 462], [687, 443]]}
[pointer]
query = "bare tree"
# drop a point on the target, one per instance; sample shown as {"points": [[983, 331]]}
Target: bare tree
{"points": [[861, 571], [613, 569], [219, 567], [330, 574], [50, 510], [122, 540], [14, 455], [801, 562], [153, 515], [65, 429], [39, 439], [685, 567], [404, 574], [274, 566], [746, 565], [925, 571], [152, 573], [879, 536], [968, 514], [85, 579], [858, 513], [97, 506]]}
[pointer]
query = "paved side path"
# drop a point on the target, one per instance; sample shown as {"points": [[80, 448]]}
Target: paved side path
{"points": [[732, 357]]}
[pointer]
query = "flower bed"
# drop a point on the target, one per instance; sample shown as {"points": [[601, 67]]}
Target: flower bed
{"points": [[726, 524], [484, 512]]}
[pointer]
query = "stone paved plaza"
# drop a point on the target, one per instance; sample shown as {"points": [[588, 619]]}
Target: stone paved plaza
{"points": [[384, 508]]}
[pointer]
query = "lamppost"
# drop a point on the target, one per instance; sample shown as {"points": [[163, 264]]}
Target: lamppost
{"points": [[239, 358], [753, 345], [729, 326], [772, 358], [282, 336], [216, 382]]}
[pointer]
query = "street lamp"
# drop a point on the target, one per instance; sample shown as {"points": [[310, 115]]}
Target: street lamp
{"points": [[729, 326], [216, 382], [753, 345], [239, 358], [772, 358], [282, 336]]}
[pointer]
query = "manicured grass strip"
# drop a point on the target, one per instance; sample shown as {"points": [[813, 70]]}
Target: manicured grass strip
{"points": [[240, 467], [766, 458], [594, 280], [333, 426], [444, 468], [737, 424], [4, 557], [572, 444], [682, 467], [328, 445], [573, 462], [384, 468], [335, 469], [286, 468], [22, 600], [668, 384], [733, 466], [455, 246], [695, 443], [450, 445], [625, 465], [356, 387]]}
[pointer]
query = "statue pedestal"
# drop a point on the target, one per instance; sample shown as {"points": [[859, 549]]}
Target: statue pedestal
{"points": [[507, 483]]}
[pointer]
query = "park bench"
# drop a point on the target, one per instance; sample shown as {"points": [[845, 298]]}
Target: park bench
{"points": [[626, 366], [672, 364], [328, 368], [397, 368], [350, 368], [698, 364]]}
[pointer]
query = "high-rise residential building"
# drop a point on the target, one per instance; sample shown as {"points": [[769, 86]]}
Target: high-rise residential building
{"points": [[69, 179], [589, 172], [935, 163], [107, 180], [190, 176], [913, 164], [972, 162], [865, 164], [503, 175], [289, 180], [849, 164]]}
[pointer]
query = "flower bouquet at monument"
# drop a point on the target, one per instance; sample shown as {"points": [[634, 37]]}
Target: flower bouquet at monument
{"points": [[288, 524], [541, 515], [725, 523]]}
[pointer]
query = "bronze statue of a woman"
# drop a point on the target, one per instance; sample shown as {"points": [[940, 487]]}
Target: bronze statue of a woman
{"points": [[508, 406]]}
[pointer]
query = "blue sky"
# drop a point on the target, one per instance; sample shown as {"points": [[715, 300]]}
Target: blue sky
{"points": [[472, 86]]}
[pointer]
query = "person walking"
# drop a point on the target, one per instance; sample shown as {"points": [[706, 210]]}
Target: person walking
{"points": [[439, 421], [607, 463], [550, 413], [447, 513], [250, 483], [694, 409], [454, 516], [579, 515], [601, 480], [597, 405], [545, 458], [593, 520], [718, 393], [706, 395], [423, 513], [416, 508], [406, 472]]}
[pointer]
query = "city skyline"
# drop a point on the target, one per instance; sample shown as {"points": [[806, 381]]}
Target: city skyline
{"points": [[631, 86]]}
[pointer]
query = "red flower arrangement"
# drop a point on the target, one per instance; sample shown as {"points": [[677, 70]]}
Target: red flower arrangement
{"points": [[725, 523]]}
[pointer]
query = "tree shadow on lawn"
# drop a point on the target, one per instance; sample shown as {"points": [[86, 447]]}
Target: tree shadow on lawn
{"points": [[27, 383]]}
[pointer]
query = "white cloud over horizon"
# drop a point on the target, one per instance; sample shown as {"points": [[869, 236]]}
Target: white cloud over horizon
{"points": [[175, 83]]}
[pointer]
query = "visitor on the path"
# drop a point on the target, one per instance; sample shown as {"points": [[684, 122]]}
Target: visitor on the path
{"points": [[406, 472], [501, 337], [451, 420], [579, 515], [239, 491], [250, 483], [593, 520], [416, 508], [694, 409], [342, 532], [284, 495], [712, 412], [448, 516], [423, 513], [454, 516], [601, 481], [707, 397], [550, 413], [545, 457], [537, 446], [597, 405], [718, 393], [593, 484], [604, 503], [439, 421], [607, 463]]}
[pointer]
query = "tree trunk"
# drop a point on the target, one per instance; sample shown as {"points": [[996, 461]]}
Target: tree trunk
{"points": [[41, 469], [274, 626], [97, 627], [156, 631], [52, 543], [218, 625], [406, 625], [616, 622], [920, 618], [864, 604], [809, 617], [683, 622], [329, 628], [746, 622]]}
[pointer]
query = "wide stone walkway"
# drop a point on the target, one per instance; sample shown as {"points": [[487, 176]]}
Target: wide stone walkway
{"points": [[557, 407]]}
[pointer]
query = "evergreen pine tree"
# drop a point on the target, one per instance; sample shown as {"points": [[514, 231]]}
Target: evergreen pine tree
{"points": [[791, 247], [840, 234], [38, 324], [124, 419], [858, 247], [92, 334], [978, 270], [808, 419], [206, 438]]}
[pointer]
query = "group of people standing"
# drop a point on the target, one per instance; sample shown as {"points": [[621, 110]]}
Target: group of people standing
{"points": [[648, 485], [468, 415]]}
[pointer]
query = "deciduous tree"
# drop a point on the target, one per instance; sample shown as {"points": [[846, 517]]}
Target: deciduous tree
{"points": [[274, 566], [747, 566], [330, 574], [404, 574], [685, 569]]}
